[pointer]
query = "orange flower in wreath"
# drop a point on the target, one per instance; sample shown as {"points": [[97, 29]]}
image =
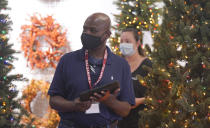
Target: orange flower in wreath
{"points": [[43, 42]]}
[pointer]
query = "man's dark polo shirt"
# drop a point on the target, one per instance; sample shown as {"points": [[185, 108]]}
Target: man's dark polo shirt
{"points": [[70, 79]]}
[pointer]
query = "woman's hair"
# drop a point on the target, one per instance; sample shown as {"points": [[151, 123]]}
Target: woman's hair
{"points": [[137, 38]]}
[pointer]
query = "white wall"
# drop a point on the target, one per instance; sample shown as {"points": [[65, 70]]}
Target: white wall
{"points": [[71, 14]]}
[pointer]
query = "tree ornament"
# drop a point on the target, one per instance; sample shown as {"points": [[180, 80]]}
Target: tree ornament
{"points": [[171, 37], [3, 32], [204, 88], [160, 101], [171, 64], [203, 65]]}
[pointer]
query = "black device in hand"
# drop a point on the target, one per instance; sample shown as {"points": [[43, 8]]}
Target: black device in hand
{"points": [[84, 96]]}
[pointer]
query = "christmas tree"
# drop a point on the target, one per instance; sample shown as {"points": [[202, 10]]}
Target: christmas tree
{"points": [[178, 83], [142, 15], [10, 108]]}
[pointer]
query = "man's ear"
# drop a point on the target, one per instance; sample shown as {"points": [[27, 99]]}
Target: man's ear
{"points": [[108, 33]]}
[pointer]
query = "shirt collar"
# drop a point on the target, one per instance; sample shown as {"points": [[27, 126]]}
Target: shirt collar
{"points": [[109, 58]]}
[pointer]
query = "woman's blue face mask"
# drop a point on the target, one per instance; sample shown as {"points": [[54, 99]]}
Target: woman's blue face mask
{"points": [[127, 49]]}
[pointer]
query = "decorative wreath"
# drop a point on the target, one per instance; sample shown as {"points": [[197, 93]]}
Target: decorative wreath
{"points": [[36, 93], [43, 42]]}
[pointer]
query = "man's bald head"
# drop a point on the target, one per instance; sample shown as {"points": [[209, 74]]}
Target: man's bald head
{"points": [[99, 19], [97, 25]]}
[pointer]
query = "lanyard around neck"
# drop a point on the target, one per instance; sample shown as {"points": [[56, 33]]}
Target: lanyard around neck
{"points": [[88, 69]]}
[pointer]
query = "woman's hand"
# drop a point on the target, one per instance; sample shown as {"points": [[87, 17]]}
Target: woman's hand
{"points": [[138, 102]]}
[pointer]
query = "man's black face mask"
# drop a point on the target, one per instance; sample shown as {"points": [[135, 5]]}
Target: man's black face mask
{"points": [[89, 41]]}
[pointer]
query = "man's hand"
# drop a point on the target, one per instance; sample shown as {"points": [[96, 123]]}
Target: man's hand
{"points": [[80, 105], [104, 95], [62, 105], [121, 108]]}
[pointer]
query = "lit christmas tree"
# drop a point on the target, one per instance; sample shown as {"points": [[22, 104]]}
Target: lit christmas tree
{"points": [[140, 14], [10, 108], [178, 83]]}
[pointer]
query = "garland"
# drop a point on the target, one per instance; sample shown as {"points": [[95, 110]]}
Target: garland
{"points": [[50, 118], [42, 42]]}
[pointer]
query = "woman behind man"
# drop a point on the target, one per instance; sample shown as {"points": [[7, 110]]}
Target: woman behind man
{"points": [[131, 50]]}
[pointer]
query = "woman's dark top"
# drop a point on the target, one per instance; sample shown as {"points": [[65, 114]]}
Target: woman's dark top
{"points": [[131, 121]]}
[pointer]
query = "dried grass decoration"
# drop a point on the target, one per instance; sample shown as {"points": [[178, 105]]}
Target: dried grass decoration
{"points": [[43, 42]]}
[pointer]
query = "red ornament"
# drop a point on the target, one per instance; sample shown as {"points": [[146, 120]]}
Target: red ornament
{"points": [[160, 101], [167, 81], [171, 64], [171, 37]]}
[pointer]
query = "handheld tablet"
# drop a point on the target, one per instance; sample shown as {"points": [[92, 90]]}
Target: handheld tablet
{"points": [[84, 96]]}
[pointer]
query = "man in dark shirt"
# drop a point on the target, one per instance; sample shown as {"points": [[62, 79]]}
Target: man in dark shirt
{"points": [[92, 66]]}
